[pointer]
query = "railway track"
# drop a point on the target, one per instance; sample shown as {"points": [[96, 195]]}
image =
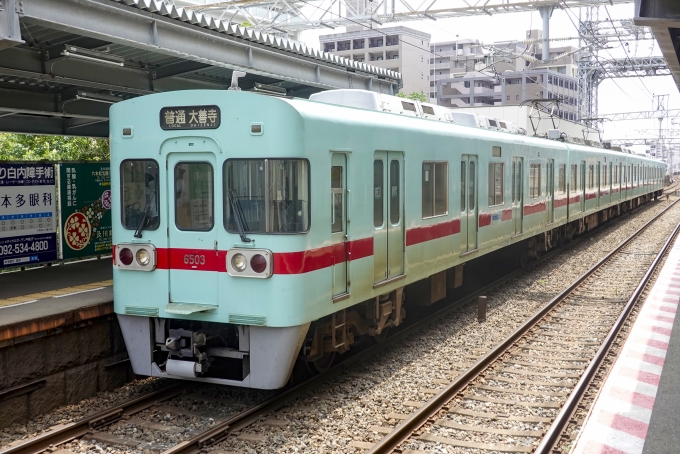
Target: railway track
{"points": [[520, 396], [164, 411]]}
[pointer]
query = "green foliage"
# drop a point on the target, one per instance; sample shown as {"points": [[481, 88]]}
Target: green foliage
{"points": [[414, 96], [24, 147], [246, 24]]}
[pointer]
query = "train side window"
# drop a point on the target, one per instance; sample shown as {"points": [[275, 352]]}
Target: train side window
{"points": [[591, 176], [139, 194], [194, 196], [378, 214], [496, 185], [435, 188], [574, 177], [336, 194], [603, 176], [534, 181], [562, 178]]}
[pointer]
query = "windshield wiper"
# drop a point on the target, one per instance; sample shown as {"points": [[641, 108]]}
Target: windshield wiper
{"points": [[140, 227], [239, 217]]}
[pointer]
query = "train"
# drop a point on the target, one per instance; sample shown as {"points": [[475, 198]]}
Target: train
{"points": [[251, 232]]}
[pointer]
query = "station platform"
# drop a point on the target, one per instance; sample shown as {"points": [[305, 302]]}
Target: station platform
{"points": [[636, 411], [42, 299]]}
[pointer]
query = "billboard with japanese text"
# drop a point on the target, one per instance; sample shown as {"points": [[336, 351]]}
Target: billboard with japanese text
{"points": [[28, 221], [85, 197]]}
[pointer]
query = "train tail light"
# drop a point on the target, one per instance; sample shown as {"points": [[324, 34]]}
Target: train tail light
{"points": [[138, 257], [250, 263]]}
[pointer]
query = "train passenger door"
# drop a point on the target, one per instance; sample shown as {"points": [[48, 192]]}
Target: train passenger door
{"points": [[550, 191], [468, 203], [192, 233], [583, 186], [517, 194], [388, 215], [339, 222]]}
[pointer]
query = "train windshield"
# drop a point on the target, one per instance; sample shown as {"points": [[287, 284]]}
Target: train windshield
{"points": [[139, 185], [272, 195]]}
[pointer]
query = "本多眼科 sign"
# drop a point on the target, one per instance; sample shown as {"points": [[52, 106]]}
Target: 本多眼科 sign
{"points": [[190, 117], [85, 197], [27, 214]]}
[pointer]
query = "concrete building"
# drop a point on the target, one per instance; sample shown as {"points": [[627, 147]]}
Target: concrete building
{"points": [[398, 49], [465, 74]]}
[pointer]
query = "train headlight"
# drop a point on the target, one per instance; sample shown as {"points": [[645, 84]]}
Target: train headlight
{"points": [[135, 257], [246, 262], [239, 262], [143, 257]]}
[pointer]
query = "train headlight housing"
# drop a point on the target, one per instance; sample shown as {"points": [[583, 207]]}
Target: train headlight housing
{"points": [[143, 257], [135, 257], [239, 262], [250, 263]]}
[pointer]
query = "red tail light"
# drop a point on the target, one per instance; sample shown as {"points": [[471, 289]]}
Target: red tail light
{"points": [[258, 263], [125, 256]]}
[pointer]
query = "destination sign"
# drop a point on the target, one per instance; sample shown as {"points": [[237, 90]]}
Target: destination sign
{"points": [[190, 117]]}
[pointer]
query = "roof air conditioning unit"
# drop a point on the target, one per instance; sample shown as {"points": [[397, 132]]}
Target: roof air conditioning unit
{"points": [[554, 134]]}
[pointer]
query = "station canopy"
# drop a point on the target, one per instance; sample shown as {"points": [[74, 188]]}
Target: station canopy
{"points": [[63, 63], [663, 17]]}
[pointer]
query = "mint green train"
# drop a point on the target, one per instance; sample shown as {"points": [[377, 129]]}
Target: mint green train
{"points": [[251, 231]]}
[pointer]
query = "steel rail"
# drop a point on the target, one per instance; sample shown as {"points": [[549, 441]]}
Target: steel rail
{"points": [[552, 437], [82, 427], [421, 416]]}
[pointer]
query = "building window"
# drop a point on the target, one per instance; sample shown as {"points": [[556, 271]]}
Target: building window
{"points": [[517, 97], [435, 188], [534, 181], [496, 185], [508, 97], [562, 178]]}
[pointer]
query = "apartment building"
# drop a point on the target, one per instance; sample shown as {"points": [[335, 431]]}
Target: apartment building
{"points": [[465, 74], [400, 49]]}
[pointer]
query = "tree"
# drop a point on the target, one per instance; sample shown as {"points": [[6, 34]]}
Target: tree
{"points": [[414, 96], [25, 147]]}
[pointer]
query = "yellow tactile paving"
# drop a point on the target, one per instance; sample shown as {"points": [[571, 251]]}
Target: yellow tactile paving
{"points": [[53, 293]]}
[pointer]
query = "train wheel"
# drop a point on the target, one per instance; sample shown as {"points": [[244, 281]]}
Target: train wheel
{"points": [[324, 363], [382, 336]]}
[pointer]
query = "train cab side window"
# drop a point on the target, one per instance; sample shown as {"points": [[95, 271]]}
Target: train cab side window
{"points": [[496, 184], [574, 178], [562, 178], [435, 189], [139, 194], [534, 181], [337, 195], [194, 203], [271, 195], [378, 211]]}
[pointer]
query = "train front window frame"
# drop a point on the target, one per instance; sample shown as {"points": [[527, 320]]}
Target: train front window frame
{"points": [[268, 210], [139, 190], [194, 204]]}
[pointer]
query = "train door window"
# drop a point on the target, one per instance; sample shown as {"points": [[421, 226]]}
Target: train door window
{"points": [[534, 181], [395, 213], [140, 195], [194, 196], [591, 176], [435, 188], [574, 178], [615, 175], [462, 186], [603, 176], [496, 184], [562, 178], [472, 185], [378, 214], [337, 207]]}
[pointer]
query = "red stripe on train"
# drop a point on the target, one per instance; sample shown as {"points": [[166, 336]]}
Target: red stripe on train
{"points": [[484, 219], [591, 195], [191, 259], [316, 259], [506, 215], [432, 232], [560, 202], [535, 208]]}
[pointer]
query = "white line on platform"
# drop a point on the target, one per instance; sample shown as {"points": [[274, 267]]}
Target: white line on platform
{"points": [[82, 291], [19, 304]]}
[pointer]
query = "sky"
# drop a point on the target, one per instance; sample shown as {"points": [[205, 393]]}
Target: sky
{"points": [[615, 95]]}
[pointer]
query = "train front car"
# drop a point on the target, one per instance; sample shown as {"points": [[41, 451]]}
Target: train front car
{"points": [[210, 184]]}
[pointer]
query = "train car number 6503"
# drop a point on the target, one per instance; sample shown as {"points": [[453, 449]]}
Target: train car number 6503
{"points": [[191, 259]]}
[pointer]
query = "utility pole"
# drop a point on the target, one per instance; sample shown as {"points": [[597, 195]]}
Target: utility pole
{"points": [[660, 106]]}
